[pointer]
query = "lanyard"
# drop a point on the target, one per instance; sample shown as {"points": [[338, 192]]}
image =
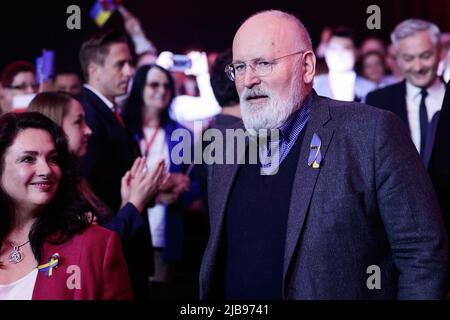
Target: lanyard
{"points": [[149, 144]]}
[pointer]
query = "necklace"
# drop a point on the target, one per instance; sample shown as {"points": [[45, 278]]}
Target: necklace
{"points": [[15, 256]]}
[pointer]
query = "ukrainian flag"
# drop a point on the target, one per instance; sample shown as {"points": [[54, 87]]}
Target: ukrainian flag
{"points": [[101, 11]]}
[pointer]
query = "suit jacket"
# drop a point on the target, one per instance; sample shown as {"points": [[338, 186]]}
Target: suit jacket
{"points": [[134, 232], [439, 166], [393, 98], [91, 267], [362, 87], [111, 150], [370, 203]]}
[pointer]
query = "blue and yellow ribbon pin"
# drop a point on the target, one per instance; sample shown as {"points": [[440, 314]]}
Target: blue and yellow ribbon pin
{"points": [[48, 267], [315, 157]]}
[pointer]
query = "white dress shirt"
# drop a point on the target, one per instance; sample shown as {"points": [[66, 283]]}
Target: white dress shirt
{"points": [[157, 214], [342, 85], [433, 102]]}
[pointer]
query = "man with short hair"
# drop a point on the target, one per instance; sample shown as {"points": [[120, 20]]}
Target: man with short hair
{"points": [[350, 214], [418, 99], [341, 82], [107, 67], [106, 64]]}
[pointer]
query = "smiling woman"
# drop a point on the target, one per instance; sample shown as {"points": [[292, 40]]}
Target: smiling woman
{"points": [[137, 189], [43, 220]]}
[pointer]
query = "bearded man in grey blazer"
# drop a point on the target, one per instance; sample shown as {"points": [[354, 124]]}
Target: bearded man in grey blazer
{"points": [[350, 213]]}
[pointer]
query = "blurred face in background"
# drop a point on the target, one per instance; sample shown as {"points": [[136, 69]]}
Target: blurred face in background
{"points": [[156, 94], [340, 54], [23, 83], [67, 82], [76, 129], [373, 44], [418, 58], [373, 67]]}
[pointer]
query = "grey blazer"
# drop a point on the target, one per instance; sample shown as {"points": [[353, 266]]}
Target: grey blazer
{"points": [[370, 203]]}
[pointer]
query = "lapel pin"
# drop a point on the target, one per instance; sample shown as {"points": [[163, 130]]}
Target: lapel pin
{"points": [[315, 157]]}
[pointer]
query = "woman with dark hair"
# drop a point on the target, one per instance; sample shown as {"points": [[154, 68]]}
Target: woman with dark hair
{"points": [[146, 115], [139, 186], [48, 247]]}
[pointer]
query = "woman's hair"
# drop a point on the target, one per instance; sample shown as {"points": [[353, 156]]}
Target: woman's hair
{"points": [[14, 68], [54, 105], [132, 114], [65, 215]]}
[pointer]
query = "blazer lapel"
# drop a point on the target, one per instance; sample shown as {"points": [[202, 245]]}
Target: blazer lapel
{"points": [[108, 115], [306, 177], [400, 103]]}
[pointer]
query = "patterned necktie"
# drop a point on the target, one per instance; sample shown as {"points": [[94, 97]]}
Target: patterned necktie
{"points": [[423, 121]]}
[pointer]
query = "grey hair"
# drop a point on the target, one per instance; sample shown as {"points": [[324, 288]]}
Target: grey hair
{"points": [[410, 27], [305, 38]]}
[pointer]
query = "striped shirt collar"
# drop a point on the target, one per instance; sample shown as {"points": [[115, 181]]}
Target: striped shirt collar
{"points": [[289, 133]]}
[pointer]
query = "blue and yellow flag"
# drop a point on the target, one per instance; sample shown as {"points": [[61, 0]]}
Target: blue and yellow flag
{"points": [[102, 10]]}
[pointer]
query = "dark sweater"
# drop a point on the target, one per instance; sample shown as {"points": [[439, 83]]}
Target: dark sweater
{"points": [[256, 219]]}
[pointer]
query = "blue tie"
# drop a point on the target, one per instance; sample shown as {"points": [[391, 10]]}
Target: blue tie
{"points": [[423, 121]]}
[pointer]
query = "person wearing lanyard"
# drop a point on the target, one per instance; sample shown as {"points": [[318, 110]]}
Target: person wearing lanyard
{"points": [[146, 116]]}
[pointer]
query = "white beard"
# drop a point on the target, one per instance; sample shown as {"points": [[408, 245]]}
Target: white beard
{"points": [[274, 113]]}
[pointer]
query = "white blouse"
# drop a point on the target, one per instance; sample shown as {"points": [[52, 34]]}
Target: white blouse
{"points": [[21, 289], [157, 214]]}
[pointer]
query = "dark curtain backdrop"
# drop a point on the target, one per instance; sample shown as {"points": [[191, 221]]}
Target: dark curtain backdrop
{"points": [[436, 10], [26, 27]]}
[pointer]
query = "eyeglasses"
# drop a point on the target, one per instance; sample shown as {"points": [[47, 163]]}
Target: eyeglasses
{"points": [[155, 85], [261, 67]]}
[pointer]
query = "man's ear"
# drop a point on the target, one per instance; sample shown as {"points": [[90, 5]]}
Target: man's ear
{"points": [[93, 70], [309, 67]]}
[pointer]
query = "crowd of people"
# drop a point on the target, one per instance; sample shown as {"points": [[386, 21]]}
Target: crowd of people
{"points": [[94, 203]]}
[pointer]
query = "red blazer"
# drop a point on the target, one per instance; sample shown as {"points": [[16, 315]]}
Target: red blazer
{"points": [[91, 266]]}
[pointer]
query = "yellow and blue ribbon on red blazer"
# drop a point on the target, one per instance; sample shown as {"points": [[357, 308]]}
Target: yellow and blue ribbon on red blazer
{"points": [[48, 267]]}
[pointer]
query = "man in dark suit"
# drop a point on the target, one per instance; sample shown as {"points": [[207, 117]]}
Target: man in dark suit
{"points": [[418, 99], [350, 214], [106, 63]]}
